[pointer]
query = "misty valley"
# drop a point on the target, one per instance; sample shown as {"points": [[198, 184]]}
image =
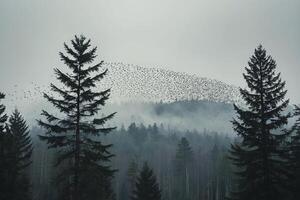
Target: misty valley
{"points": [[149, 134]]}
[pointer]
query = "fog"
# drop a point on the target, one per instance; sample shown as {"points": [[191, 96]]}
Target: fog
{"points": [[212, 39]]}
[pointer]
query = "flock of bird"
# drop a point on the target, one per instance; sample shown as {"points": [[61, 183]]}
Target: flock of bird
{"points": [[134, 83]]}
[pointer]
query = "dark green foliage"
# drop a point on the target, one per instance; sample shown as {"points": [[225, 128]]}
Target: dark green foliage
{"points": [[184, 155], [183, 161], [146, 187], [22, 141], [3, 117], [132, 174], [85, 172], [21, 151], [4, 153], [219, 174], [16, 150], [138, 134], [159, 154], [295, 155], [132, 171], [259, 156]]}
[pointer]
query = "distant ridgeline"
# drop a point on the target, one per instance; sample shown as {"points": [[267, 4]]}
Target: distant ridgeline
{"points": [[150, 95], [181, 115]]}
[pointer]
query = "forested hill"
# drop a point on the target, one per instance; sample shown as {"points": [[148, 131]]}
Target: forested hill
{"points": [[181, 115]]}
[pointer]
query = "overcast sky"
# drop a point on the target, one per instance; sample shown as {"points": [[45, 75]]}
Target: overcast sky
{"points": [[210, 38]]}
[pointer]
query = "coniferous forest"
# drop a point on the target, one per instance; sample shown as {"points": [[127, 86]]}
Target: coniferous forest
{"points": [[201, 140]]}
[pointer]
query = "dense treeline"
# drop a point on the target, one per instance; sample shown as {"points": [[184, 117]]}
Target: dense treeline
{"points": [[71, 156], [165, 150], [188, 164]]}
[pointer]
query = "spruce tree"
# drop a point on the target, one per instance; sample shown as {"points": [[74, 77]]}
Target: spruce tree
{"points": [[154, 132], [21, 150], [138, 134], [146, 187], [259, 156], [4, 145], [183, 161], [85, 159], [132, 173], [295, 155]]}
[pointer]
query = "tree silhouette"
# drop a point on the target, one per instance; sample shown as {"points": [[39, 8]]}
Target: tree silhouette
{"points": [[132, 173], [260, 157], [4, 153], [183, 160], [76, 129], [295, 155], [3, 117], [146, 187], [21, 150]]}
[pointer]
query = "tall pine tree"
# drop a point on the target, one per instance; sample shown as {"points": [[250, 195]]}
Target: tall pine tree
{"points": [[260, 157], [20, 159], [146, 187], [84, 158], [295, 155]]}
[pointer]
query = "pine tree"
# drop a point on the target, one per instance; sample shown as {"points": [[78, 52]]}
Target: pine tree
{"points": [[21, 150], [295, 155], [132, 173], [154, 132], [183, 160], [138, 134], [4, 156], [259, 156], [85, 160], [147, 187]]}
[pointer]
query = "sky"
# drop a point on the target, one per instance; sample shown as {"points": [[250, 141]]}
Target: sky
{"points": [[210, 38]]}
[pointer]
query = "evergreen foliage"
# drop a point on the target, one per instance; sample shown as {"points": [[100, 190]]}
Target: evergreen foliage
{"points": [[15, 154], [295, 155], [21, 151], [183, 160], [4, 153], [259, 156], [146, 185], [132, 173], [159, 154], [84, 159], [138, 134], [3, 116]]}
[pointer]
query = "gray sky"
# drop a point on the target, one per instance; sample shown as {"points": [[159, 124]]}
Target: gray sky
{"points": [[209, 38]]}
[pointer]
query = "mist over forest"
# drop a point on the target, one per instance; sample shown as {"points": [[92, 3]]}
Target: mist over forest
{"points": [[149, 100]]}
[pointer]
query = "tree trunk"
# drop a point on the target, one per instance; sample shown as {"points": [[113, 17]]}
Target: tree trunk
{"points": [[77, 143]]}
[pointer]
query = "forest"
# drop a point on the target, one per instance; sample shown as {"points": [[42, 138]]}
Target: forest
{"points": [[73, 152]]}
